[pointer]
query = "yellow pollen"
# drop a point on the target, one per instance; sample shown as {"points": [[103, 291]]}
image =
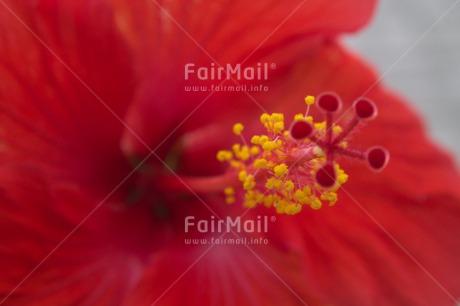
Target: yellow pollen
{"points": [[235, 164], [238, 128], [276, 117], [265, 118], [260, 163], [280, 170], [268, 200], [316, 203], [309, 100], [263, 139], [269, 146], [255, 139], [329, 196], [299, 117], [249, 182], [242, 175], [277, 171], [229, 191], [229, 195], [273, 183], [342, 177], [224, 155], [254, 150], [289, 185], [292, 209], [278, 127], [337, 129], [301, 197]]}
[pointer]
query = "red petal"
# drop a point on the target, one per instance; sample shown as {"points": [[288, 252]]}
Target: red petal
{"points": [[90, 264], [276, 29], [53, 109], [58, 141], [223, 275]]}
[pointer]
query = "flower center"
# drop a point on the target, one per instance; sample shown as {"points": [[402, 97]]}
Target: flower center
{"points": [[290, 169]]}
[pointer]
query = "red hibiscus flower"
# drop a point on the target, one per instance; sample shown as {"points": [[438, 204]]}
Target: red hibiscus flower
{"points": [[105, 155]]}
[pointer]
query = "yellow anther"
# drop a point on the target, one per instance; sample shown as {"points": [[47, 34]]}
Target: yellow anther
{"points": [[273, 183], [299, 117], [277, 117], [250, 203], [255, 139], [260, 163], [263, 139], [278, 127], [280, 205], [307, 190], [316, 203], [342, 177], [279, 208], [299, 194], [269, 146], [309, 119], [242, 175], [270, 184], [249, 182], [320, 126], [279, 143], [236, 149], [301, 197], [244, 153], [224, 155], [292, 209], [265, 118], [229, 191], [235, 164], [330, 196], [337, 129], [254, 150], [238, 128], [309, 100], [229, 195], [280, 170], [268, 200], [289, 185], [251, 198]]}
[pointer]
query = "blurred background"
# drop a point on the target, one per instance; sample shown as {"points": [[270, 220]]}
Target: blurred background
{"points": [[416, 44]]}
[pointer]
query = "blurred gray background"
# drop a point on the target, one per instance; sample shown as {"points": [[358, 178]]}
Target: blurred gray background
{"points": [[428, 74]]}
